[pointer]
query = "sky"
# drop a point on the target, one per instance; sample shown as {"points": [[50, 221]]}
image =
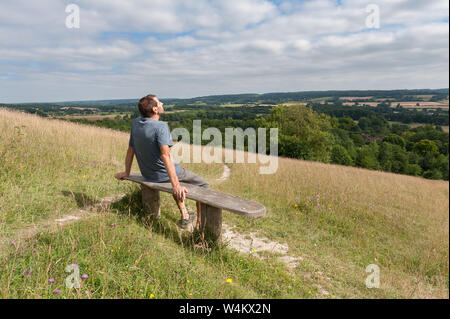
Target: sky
{"points": [[188, 48]]}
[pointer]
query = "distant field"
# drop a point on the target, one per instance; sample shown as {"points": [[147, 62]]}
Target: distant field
{"points": [[444, 128], [232, 104], [292, 103], [80, 108], [408, 104], [91, 117], [351, 98]]}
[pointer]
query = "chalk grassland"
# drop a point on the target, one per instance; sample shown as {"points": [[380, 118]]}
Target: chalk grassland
{"points": [[336, 220]]}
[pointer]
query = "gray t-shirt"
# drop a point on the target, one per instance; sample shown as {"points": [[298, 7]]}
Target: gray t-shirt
{"points": [[146, 138]]}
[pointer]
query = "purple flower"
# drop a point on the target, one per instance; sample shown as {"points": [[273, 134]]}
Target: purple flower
{"points": [[27, 272], [51, 280], [56, 291], [34, 251], [113, 225], [75, 264], [13, 243], [85, 276]]}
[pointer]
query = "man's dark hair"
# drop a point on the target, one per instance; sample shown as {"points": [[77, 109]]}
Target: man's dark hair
{"points": [[146, 105]]}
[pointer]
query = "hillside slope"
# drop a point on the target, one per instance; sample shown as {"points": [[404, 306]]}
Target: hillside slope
{"points": [[336, 220]]}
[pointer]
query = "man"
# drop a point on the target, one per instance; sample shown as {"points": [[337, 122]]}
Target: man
{"points": [[150, 140]]}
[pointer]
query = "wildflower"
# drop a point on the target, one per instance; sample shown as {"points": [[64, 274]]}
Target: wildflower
{"points": [[84, 176], [309, 292], [113, 225], [103, 293], [229, 280], [188, 281], [190, 294], [152, 296], [34, 251], [56, 291], [126, 266], [295, 205], [85, 276], [27, 272], [13, 243], [112, 250], [51, 280]]}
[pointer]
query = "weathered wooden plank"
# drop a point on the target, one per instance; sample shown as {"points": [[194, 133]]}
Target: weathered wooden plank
{"points": [[231, 203], [211, 221], [151, 202]]}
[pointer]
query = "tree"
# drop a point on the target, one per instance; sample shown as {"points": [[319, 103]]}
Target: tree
{"points": [[367, 157], [339, 155], [432, 174], [395, 139], [424, 147], [413, 169], [302, 133]]}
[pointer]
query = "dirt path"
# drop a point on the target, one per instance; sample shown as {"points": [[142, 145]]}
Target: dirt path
{"points": [[256, 245]]}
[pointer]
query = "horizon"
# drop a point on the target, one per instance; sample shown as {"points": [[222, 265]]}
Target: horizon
{"points": [[203, 96], [90, 51]]}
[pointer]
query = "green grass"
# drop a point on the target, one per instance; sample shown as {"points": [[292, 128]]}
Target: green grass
{"points": [[135, 259], [335, 219]]}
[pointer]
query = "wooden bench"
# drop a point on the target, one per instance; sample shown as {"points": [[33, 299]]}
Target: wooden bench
{"points": [[212, 203]]}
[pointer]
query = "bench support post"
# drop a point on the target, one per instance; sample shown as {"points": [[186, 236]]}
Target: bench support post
{"points": [[151, 202], [211, 221]]}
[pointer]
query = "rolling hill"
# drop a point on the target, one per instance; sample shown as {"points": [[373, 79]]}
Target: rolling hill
{"points": [[332, 220]]}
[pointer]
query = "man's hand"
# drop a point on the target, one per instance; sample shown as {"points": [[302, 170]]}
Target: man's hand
{"points": [[179, 192], [121, 175]]}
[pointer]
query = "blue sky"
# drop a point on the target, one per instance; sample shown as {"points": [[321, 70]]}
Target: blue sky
{"points": [[186, 48]]}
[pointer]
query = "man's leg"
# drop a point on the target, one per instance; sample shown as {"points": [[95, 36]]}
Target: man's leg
{"points": [[191, 178], [199, 215], [182, 208]]}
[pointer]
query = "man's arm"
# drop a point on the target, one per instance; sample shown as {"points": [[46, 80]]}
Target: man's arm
{"points": [[128, 162], [178, 191]]}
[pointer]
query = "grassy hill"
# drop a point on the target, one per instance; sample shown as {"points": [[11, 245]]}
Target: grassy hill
{"points": [[335, 220]]}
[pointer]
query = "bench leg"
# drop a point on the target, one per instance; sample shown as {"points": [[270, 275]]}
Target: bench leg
{"points": [[151, 202], [211, 221]]}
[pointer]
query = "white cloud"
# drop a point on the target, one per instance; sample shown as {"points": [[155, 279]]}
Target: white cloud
{"points": [[179, 48]]}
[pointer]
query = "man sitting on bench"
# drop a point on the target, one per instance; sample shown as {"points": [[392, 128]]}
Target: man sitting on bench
{"points": [[150, 140]]}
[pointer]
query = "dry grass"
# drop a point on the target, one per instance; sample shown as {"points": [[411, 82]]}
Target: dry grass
{"points": [[336, 219]]}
